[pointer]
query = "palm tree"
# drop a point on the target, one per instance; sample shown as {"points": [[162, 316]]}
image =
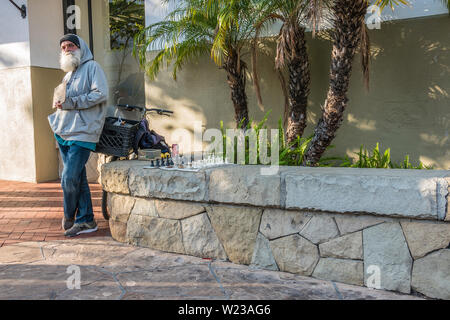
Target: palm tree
{"points": [[291, 52], [190, 31], [292, 55], [349, 32]]}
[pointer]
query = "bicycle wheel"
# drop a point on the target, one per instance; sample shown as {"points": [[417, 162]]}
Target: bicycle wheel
{"points": [[105, 205], [105, 196]]}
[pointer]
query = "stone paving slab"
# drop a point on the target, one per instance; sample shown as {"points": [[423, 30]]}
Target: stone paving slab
{"points": [[110, 270]]}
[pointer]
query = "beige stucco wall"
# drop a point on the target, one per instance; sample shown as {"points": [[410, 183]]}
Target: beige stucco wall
{"points": [[17, 135], [27, 145], [407, 108], [47, 159], [43, 81]]}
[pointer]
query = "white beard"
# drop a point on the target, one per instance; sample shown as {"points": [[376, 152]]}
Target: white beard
{"points": [[70, 61]]}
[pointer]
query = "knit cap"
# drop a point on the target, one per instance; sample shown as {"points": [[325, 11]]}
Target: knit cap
{"points": [[70, 37]]}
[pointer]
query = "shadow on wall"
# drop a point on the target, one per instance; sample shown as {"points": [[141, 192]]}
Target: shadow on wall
{"points": [[407, 107], [201, 94], [131, 90], [14, 54]]}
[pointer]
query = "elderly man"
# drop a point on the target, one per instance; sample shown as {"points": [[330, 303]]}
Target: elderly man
{"points": [[77, 125]]}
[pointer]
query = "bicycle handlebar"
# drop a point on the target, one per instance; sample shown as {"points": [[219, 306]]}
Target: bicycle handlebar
{"points": [[141, 109], [129, 107], [159, 111]]}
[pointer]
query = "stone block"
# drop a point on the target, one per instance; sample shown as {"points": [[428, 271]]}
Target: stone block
{"points": [[405, 194], [118, 230], [385, 247], [119, 206], [320, 228], [176, 185], [156, 233], [277, 223], [431, 275], [262, 256], [199, 238], [114, 177], [137, 226], [177, 209], [244, 185], [348, 223], [424, 237], [237, 229], [144, 207], [295, 254], [345, 247], [340, 270]]}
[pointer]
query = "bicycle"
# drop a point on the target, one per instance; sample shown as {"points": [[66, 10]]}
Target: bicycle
{"points": [[118, 139]]}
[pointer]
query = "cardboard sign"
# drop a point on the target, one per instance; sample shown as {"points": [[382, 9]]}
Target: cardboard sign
{"points": [[59, 94]]}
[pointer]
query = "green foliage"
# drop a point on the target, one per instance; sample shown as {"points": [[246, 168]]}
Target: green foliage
{"points": [[289, 154], [390, 3], [192, 30], [293, 154], [186, 33], [126, 18], [377, 160], [226, 140]]}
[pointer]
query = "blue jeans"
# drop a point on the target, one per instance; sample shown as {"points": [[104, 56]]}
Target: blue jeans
{"points": [[77, 196]]}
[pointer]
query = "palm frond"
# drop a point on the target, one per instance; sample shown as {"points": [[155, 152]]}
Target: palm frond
{"points": [[391, 3], [187, 32]]}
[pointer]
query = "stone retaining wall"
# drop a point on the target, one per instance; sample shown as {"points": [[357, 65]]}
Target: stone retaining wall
{"points": [[379, 228]]}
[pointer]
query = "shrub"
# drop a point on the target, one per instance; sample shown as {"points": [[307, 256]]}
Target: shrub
{"points": [[293, 154]]}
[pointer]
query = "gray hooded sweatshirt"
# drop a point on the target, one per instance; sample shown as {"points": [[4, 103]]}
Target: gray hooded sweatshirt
{"points": [[83, 112]]}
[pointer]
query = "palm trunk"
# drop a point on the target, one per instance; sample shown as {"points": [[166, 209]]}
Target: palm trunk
{"points": [[299, 80], [235, 69], [349, 18]]}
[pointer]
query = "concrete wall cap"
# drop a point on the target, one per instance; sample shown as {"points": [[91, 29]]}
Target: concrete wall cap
{"points": [[418, 194]]}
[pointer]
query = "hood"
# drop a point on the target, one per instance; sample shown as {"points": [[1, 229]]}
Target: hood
{"points": [[86, 53]]}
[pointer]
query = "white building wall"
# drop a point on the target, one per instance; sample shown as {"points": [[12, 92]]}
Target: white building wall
{"points": [[32, 41], [46, 28], [14, 36]]}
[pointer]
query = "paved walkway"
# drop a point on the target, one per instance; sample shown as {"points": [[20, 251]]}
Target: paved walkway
{"points": [[33, 212], [101, 268], [35, 263]]}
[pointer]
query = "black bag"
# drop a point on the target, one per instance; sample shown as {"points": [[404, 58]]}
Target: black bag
{"points": [[149, 139]]}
